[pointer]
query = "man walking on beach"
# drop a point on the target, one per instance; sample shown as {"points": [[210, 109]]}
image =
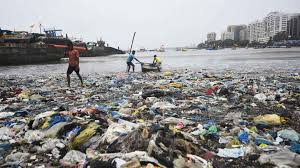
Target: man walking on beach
{"points": [[130, 59], [73, 63]]}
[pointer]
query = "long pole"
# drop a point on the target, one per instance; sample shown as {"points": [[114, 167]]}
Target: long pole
{"points": [[40, 28], [132, 42]]}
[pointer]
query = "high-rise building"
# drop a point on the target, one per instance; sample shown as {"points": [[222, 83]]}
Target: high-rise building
{"points": [[264, 30], [294, 27], [211, 37], [276, 22], [235, 29], [245, 34], [227, 36], [257, 30]]}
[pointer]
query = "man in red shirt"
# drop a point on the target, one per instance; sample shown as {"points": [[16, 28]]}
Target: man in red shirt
{"points": [[73, 63]]}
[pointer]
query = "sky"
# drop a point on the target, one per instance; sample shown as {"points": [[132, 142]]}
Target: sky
{"points": [[173, 23]]}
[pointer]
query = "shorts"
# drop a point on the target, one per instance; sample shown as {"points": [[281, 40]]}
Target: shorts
{"points": [[130, 64], [72, 68]]}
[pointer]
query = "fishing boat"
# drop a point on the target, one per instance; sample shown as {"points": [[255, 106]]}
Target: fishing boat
{"points": [[98, 48], [26, 48]]}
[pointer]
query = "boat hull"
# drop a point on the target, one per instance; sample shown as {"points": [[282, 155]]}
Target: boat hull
{"points": [[100, 51], [146, 67], [29, 55]]}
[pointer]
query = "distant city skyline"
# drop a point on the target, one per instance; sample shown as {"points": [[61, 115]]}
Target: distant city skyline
{"points": [[170, 22]]}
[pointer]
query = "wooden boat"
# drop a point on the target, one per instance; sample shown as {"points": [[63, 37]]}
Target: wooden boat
{"points": [[147, 67]]}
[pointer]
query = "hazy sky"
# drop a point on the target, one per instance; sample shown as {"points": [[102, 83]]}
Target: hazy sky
{"points": [[170, 22]]}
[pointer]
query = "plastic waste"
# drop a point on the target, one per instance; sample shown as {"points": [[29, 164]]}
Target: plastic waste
{"points": [[17, 158], [225, 140], [56, 119], [269, 119], [163, 106], [190, 161], [148, 120], [4, 115], [140, 155], [71, 135], [260, 97], [74, 159], [212, 90], [281, 159], [259, 141], [231, 153], [34, 135], [22, 113], [134, 163], [6, 133], [295, 147], [36, 97], [235, 117], [118, 162], [85, 134], [23, 95], [53, 131], [115, 115], [175, 121], [263, 145], [49, 145], [176, 85], [244, 137], [4, 149], [180, 125], [168, 73], [233, 144], [116, 130], [288, 134], [212, 130]]}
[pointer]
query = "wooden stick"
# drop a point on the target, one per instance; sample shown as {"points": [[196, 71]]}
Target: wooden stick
{"points": [[132, 42]]}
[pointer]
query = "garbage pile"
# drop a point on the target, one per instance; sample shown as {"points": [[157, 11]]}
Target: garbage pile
{"points": [[171, 119]]}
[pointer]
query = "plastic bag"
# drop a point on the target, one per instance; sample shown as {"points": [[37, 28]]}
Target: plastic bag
{"points": [[269, 119], [85, 135], [233, 144], [244, 137], [231, 153], [288, 134], [295, 148], [168, 73], [176, 85], [281, 159]]}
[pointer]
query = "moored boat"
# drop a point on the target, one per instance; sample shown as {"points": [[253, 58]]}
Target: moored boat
{"points": [[21, 47], [29, 54]]}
